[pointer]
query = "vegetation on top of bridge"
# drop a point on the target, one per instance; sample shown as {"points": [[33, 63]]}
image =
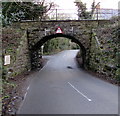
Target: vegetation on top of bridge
{"points": [[19, 11], [16, 11]]}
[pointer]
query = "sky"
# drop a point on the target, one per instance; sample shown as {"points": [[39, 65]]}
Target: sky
{"points": [[69, 4]]}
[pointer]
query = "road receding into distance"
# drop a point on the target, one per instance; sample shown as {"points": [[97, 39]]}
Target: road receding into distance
{"points": [[63, 88]]}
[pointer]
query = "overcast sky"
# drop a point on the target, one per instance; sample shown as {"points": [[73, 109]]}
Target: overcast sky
{"points": [[69, 4]]}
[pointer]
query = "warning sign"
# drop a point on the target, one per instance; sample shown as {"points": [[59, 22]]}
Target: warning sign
{"points": [[59, 30]]}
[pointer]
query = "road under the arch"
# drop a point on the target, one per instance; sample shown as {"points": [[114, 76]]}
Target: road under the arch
{"points": [[63, 88]]}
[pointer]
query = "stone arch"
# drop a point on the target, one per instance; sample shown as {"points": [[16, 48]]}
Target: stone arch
{"points": [[38, 45]]}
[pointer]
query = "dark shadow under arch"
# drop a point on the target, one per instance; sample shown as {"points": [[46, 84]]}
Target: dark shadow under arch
{"points": [[73, 39]]}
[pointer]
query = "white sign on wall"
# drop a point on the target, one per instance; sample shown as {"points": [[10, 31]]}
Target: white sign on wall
{"points": [[7, 60]]}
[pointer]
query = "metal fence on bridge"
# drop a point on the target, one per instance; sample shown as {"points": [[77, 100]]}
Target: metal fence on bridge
{"points": [[72, 14]]}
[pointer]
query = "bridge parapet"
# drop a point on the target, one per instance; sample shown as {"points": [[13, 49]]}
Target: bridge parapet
{"points": [[79, 29]]}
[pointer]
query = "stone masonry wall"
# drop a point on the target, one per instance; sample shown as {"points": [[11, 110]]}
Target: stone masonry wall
{"points": [[104, 52], [15, 44]]}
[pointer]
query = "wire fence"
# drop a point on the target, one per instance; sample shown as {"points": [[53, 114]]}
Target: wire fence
{"points": [[72, 14], [105, 13]]}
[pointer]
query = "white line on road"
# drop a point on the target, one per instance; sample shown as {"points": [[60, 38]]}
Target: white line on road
{"points": [[28, 88], [25, 95], [22, 103], [79, 92], [44, 66]]}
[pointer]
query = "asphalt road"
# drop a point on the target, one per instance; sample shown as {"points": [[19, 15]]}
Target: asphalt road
{"points": [[63, 88]]}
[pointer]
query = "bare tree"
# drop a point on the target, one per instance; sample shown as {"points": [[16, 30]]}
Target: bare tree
{"points": [[20, 10], [48, 8], [82, 9]]}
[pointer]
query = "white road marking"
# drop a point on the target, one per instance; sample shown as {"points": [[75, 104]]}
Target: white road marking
{"points": [[22, 102], [79, 92], [25, 95], [28, 88], [44, 66]]}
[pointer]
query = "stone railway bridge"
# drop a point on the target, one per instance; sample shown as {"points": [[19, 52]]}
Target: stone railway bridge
{"points": [[78, 31]]}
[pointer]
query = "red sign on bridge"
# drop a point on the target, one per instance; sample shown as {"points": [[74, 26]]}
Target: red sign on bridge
{"points": [[59, 30]]}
